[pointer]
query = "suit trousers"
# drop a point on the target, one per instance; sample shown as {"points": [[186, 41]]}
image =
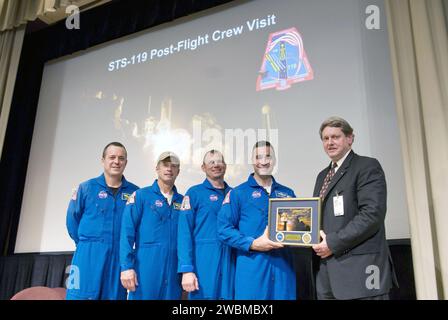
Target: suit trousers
{"points": [[323, 286]]}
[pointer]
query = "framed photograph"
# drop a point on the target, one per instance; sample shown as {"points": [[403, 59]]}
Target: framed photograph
{"points": [[294, 221]]}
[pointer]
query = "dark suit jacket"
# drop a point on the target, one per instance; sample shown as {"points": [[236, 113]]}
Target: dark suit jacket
{"points": [[361, 264]]}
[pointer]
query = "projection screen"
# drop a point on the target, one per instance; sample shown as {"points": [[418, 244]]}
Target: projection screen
{"points": [[220, 79]]}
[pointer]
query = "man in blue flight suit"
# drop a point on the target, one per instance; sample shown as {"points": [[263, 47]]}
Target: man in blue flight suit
{"points": [[94, 223], [264, 269], [205, 262], [148, 244]]}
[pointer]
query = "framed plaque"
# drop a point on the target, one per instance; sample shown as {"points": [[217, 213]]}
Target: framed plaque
{"points": [[294, 221]]}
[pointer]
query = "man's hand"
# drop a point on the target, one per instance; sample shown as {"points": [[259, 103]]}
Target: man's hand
{"points": [[129, 279], [322, 249], [262, 243], [190, 281]]}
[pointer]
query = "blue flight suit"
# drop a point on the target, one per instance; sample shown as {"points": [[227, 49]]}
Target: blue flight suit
{"points": [[150, 223], [198, 248], [94, 223], [243, 218]]}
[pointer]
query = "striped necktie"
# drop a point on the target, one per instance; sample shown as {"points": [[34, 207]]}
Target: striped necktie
{"points": [[327, 180]]}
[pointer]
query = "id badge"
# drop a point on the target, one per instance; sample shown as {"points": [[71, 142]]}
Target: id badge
{"points": [[338, 205]]}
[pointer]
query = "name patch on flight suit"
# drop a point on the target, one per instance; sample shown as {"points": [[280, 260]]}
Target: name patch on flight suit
{"points": [[185, 204], [177, 205], [280, 194]]}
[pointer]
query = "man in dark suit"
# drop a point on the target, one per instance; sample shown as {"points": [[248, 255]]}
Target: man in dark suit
{"points": [[353, 258]]}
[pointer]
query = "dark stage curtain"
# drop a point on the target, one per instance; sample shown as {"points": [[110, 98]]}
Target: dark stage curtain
{"points": [[22, 271], [98, 25], [402, 257]]}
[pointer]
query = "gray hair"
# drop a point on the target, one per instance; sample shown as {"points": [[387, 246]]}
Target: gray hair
{"points": [[336, 122]]}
